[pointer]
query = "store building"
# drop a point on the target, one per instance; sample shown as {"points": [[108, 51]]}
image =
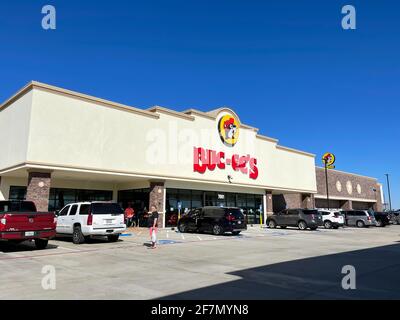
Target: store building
{"points": [[60, 146], [348, 191]]}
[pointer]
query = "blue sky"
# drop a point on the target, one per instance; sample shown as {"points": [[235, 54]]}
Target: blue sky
{"points": [[286, 67]]}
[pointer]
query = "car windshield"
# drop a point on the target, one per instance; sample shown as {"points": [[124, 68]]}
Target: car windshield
{"points": [[17, 206], [106, 208], [237, 213], [310, 211]]}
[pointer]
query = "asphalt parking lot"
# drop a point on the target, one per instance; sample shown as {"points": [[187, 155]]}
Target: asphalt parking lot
{"points": [[258, 264]]}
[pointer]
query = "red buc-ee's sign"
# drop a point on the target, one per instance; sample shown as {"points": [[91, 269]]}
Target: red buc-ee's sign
{"points": [[205, 159]]}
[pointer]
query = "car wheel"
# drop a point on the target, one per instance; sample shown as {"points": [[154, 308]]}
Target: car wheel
{"points": [[182, 228], [217, 230], [327, 224], [272, 224], [77, 236], [235, 233], [379, 223], [302, 225], [41, 244], [360, 224], [113, 237]]}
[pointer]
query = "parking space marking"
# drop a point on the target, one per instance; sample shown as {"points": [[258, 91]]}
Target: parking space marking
{"points": [[70, 249], [183, 237], [199, 238]]}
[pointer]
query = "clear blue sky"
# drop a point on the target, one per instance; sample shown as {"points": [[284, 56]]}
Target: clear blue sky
{"points": [[286, 67]]}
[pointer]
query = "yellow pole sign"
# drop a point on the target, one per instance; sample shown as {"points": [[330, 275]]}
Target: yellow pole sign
{"points": [[329, 159]]}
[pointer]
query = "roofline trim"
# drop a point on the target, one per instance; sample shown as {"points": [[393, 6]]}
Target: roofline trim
{"points": [[296, 151], [349, 173], [171, 112], [260, 136], [56, 90]]}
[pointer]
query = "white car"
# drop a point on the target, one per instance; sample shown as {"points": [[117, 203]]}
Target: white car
{"points": [[90, 219], [332, 219]]}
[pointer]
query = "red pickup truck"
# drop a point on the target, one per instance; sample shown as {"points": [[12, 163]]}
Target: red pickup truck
{"points": [[20, 221]]}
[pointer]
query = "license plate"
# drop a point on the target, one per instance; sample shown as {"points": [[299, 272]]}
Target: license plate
{"points": [[109, 221], [29, 234]]}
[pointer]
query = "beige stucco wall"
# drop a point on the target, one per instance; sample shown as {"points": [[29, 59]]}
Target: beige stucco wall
{"points": [[67, 131], [14, 131]]}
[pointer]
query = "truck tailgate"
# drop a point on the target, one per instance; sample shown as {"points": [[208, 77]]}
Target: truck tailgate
{"points": [[27, 222]]}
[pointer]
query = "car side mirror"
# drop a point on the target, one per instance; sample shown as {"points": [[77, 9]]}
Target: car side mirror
{"points": [[57, 213]]}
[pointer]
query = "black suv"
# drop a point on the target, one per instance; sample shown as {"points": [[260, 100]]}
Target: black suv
{"points": [[217, 220], [382, 219], [301, 218]]}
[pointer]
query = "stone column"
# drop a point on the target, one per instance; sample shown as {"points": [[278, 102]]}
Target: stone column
{"points": [[307, 201], [269, 210], [347, 205], [157, 198], [378, 205], [38, 189]]}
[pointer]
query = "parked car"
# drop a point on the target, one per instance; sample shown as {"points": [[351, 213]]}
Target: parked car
{"points": [[20, 221], [332, 219], [382, 219], [301, 218], [217, 220], [91, 219], [359, 218], [394, 217]]}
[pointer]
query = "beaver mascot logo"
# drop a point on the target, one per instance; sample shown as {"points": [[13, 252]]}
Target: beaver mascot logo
{"points": [[228, 128]]}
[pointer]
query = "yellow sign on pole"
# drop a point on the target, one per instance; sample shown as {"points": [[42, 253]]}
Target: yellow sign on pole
{"points": [[329, 159]]}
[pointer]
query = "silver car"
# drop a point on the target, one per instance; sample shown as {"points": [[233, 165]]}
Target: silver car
{"points": [[359, 218]]}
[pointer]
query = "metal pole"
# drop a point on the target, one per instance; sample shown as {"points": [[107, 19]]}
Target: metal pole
{"points": [[326, 183], [388, 185]]}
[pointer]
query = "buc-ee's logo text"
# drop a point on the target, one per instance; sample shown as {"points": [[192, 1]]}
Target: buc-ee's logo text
{"points": [[205, 159]]}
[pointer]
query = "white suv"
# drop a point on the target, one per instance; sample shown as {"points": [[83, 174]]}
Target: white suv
{"points": [[86, 219], [332, 219]]}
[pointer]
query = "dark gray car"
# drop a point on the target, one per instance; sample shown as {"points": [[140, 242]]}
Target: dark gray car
{"points": [[394, 217], [359, 218], [301, 218]]}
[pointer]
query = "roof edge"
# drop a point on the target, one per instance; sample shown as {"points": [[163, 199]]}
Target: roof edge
{"points": [[296, 151], [57, 90]]}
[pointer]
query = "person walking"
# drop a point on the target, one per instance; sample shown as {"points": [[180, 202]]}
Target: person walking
{"points": [[153, 225], [129, 214]]}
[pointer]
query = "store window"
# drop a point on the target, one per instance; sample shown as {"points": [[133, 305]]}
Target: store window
{"points": [[138, 199], [251, 205], [61, 197], [17, 193]]}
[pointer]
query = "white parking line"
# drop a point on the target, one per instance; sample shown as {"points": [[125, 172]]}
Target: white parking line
{"points": [[183, 237], [199, 238], [64, 248], [167, 234], [139, 233]]}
